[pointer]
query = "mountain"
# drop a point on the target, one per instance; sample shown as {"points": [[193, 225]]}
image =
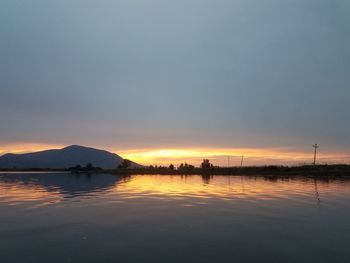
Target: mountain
{"points": [[62, 158]]}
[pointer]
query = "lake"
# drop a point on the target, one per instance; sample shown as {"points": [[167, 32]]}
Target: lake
{"points": [[62, 217]]}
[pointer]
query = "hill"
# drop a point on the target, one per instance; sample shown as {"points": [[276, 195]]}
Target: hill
{"points": [[62, 158]]}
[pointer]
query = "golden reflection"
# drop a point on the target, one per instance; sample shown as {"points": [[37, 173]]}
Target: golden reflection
{"points": [[195, 189], [17, 193], [225, 187]]}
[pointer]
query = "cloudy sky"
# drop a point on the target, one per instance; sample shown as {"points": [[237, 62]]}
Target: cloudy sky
{"points": [[169, 77]]}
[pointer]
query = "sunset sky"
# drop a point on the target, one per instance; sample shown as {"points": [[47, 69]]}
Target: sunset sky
{"points": [[169, 81]]}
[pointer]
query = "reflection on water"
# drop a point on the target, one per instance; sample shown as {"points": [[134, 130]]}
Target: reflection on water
{"points": [[231, 187], [25, 187], [62, 217], [317, 193], [63, 184]]}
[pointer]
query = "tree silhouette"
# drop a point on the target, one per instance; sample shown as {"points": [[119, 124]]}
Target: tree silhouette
{"points": [[125, 164], [206, 164], [89, 166], [185, 166]]}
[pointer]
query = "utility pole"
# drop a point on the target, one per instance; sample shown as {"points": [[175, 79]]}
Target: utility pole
{"points": [[315, 152], [242, 160], [228, 160]]}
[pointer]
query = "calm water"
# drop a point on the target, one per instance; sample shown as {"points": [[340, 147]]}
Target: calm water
{"points": [[148, 218]]}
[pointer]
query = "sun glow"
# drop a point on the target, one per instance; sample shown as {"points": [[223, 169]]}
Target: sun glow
{"points": [[217, 156], [225, 157]]}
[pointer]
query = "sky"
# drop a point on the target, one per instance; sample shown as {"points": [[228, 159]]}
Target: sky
{"points": [[164, 81]]}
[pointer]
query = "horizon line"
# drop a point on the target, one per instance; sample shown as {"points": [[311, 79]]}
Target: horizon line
{"points": [[194, 155]]}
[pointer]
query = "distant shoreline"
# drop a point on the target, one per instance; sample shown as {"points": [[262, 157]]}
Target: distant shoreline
{"points": [[306, 170]]}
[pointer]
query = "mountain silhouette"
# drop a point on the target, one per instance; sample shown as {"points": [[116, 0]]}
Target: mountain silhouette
{"points": [[62, 158]]}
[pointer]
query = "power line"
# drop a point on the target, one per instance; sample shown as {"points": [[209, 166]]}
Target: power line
{"points": [[316, 146], [242, 160]]}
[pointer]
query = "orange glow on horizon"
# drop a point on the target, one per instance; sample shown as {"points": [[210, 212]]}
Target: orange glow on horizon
{"points": [[27, 147], [232, 157], [218, 156]]}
